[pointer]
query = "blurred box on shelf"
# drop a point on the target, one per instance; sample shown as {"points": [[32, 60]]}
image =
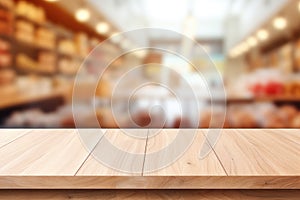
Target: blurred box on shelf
{"points": [[82, 44], [66, 46], [47, 62], [9, 4], [45, 38], [24, 31], [5, 54], [7, 76], [69, 66], [31, 12]]}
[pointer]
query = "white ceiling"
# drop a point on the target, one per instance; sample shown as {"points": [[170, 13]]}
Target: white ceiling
{"points": [[170, 14]]}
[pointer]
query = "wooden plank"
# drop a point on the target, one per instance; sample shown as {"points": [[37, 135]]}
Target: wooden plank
{"points": [[151, 194], [189, 164], [44, 159], [119, 153], [260, 152], [9, 135], [148, 182], [43, 152]]}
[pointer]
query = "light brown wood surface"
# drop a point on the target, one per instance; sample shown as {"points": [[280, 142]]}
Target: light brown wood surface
{"points": [[260, 153], [118, 153], [43, 152], [69, 159], [9, 135], [151, 194], [164, 147]]}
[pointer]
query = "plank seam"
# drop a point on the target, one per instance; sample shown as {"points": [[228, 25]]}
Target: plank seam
{"points": [[208, 142], [89, 154], [145, 153], [19, 137]]}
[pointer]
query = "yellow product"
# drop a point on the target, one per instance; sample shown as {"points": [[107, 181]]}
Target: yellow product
{"points": [[24, 26], [45, 38], [22, 8], [21, 36], [82, 44], [67, 47], [31, 12], [69, 67], [25, 62]]}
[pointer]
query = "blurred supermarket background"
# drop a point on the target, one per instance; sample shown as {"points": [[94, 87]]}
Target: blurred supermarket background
{"points": [[255, 45]]}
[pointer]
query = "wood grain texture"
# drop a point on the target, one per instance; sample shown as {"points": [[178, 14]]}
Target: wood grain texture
{"points": [[9, 135], [148, 182], [61, 159], [259, 152], [119, 153], [43, 152], [180, 155], [151, 194]]}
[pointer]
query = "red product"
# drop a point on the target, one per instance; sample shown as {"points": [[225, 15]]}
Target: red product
{"points": [[273, 88]]}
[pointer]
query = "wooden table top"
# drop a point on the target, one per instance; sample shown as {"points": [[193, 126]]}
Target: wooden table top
{"points": [[57, 158]]}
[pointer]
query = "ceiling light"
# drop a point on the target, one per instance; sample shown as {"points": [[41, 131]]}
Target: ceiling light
{"points": [[262, 35], [299, 6], [234, 53], [51, 0], [280, 23], [82, 14], [102, 28], [252, 42], [244, 47]]}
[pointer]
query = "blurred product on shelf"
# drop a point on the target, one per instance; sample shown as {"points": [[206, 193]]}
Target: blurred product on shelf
{"points": [[266, 83], [241, 118], [296, 121], [292, 87], [258, 115], [285, 60], [181, 123], [5, 54], [297, 55], [79, 46], [31, 12], [7, 76], [9, 4], [47, 62], [238, 116], [104, 88], [106, 118], [25, 62], [45, 38], [68, 66], [60, 118], [67, 46], [24, 31], [82, 44], [213, 120], [34, 84], [6, 22]]}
